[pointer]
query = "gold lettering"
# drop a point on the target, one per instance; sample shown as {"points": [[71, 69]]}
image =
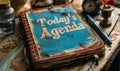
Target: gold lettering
{"points": [[61, 30], [74, 26], [67, 28], [41, 21], [45, 33], [81, 26], [67, 20], [55, 33], [49, 22]]}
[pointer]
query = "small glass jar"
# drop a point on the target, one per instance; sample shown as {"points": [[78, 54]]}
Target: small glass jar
{"points": [[7, 18]]}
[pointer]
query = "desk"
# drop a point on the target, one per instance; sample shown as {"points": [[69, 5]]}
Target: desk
{"points": [[110, 52], [104, 62], [18, 61]]}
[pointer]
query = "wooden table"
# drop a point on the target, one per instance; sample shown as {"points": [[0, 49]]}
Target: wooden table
{"points": [[18, 61], [110, 53]]}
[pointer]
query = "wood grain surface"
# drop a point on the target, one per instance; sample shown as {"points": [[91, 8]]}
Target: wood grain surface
{"points": [[19, 62]]}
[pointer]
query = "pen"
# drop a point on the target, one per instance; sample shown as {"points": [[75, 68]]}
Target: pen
{"points": [[98, 30]]}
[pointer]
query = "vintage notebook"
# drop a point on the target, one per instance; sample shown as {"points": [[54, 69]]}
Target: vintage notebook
{"points": [[58, 36]]}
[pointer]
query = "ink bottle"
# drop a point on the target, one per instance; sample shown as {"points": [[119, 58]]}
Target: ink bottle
{"points": [[7, 18]]}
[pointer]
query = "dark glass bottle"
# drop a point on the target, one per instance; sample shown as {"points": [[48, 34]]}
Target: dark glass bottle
{"points": [[7, 18]]}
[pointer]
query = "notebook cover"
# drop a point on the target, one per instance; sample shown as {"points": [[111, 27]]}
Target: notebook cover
{"points": [[57, 35]]}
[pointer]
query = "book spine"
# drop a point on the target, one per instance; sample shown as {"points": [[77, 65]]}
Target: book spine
{"points": [[32, 46]]}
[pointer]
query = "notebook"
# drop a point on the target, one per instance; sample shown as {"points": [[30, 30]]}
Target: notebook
{"points": [[58, 36]]}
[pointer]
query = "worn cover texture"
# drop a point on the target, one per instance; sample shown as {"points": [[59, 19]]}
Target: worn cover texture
{"points": [[57, 35]]}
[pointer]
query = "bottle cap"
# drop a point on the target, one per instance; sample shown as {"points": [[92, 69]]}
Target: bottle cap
{"points": [[4, 4]]}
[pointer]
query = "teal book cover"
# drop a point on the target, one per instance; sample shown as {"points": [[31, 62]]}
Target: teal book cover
{"points": [[58, 32]]}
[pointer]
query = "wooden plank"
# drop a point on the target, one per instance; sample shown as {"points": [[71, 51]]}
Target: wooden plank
{"points": [[9, 43], [113, 19], [111, 60], [109, 50], [115, 35], [12, 59], [15, 60], [19, 63]]}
